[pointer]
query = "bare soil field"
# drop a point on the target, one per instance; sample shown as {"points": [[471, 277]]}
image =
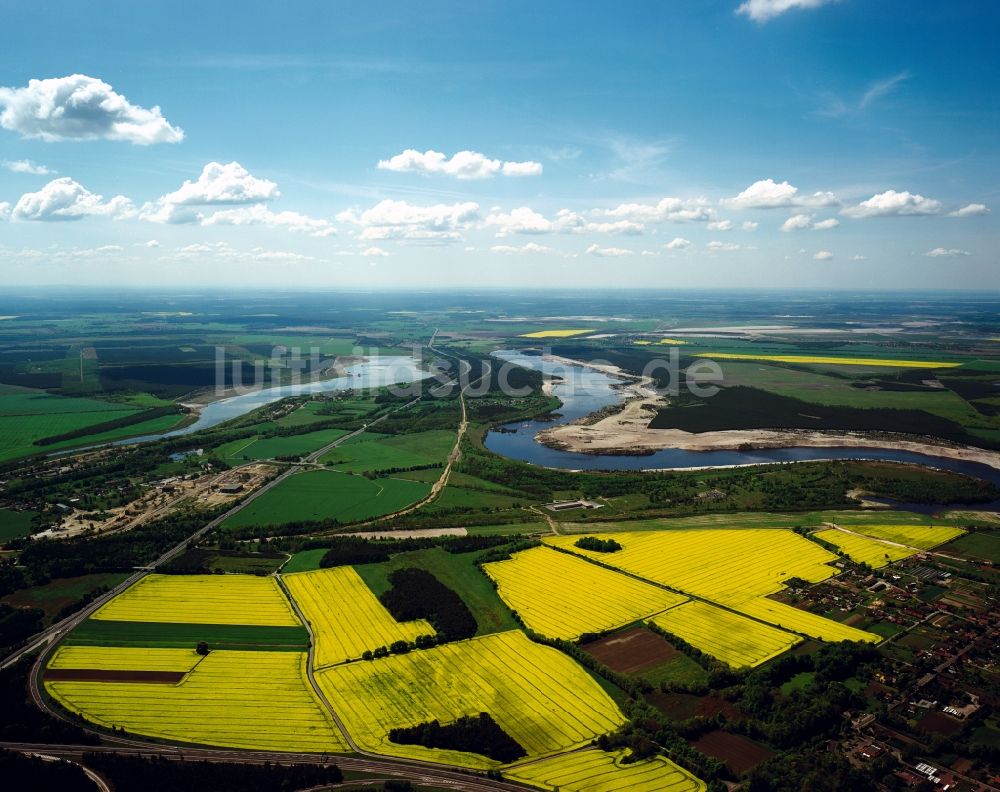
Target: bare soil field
{"points": [[738, 753], [100, 675], [631, 651]]}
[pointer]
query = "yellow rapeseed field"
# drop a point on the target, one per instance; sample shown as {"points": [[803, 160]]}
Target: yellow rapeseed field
{"points": [[125, 658], [346, 617], [733, 567], [202, 599], [256, 700], [923, 537], [833, 361], [594, 770], [673, 341], [735, 640], [563, 596], [538, 695], [800, 621], [554, 333], [722, 564], [863, 550]]}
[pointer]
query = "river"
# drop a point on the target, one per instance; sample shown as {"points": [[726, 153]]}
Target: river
{"points": [[373, 372], [585, 390]]}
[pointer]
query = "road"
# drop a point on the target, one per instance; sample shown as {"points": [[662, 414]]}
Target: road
{"points": [[51, 635], [418, 772], [430, 775]]}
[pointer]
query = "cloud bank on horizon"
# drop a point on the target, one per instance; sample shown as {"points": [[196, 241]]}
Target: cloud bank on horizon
{"points": [[584, 165]]}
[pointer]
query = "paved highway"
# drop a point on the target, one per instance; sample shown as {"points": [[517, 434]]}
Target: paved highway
{"points": [[430, 775], [415, 771]]}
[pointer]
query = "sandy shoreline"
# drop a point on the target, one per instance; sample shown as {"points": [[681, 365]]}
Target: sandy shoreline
{"points": [[627, 432], [622, 434]]}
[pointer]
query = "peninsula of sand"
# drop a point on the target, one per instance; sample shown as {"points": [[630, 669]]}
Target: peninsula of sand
{"points": [[627, 432]]}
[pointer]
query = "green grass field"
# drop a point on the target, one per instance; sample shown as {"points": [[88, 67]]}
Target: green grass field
{"points": [[304, 561], [982, 544], [457, 571], [396, 451], [323, 494], [462, 497], [309, 413], [680, 670], [102, 632], [814, 386], [26, 416], [14, 523], [270, 447], [57, 594], [757, 520]]}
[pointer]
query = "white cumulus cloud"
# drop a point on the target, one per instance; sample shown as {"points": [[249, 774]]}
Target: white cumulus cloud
{"points": [[720, 225], [218, 184], [750, 225], [374, 252], [530, 247], [259, 214], [391, 219], [65, 199], [678, 243], [462, 165], [892, 203], [768, 194], [4, 210], [764, 10], [666, 210], [970, 210], [823, 255], [26, 166], [609, 252], [79, 107], [939, 252], [724, 247], [525, 220], [799, 222]]}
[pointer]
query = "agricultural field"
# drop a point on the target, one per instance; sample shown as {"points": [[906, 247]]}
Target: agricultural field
{"points": [[800, 621], [458, 572], [737, 568], [342, 408], [537, 695], [60, 593], [920, 537], [244, 637], [257, 700], [834, 361], [982, 544], [594, 770], [639, 651], [556, 333], [271, 447], [730, 566], [346, 618], [202, 599], [372, 451], [736, 641], [562, 596], [863, 550], [14, 524], [329, 495], [27, 416]]}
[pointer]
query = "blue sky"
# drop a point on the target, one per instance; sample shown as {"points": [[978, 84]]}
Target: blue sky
{"points": [[813, 143]]}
